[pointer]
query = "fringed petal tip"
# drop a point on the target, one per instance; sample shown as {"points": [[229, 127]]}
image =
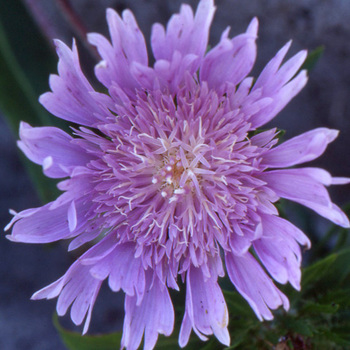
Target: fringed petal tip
{"points": [[253, 27], [206, 311], [36, 296], [76, 290], [157, 305], [230, 61], [332, 134], [306, 186], [255, 286], [49, 292], [340, 180], [9, 225], [300, 149], [11, 237], [111, 13], [70, 98]]}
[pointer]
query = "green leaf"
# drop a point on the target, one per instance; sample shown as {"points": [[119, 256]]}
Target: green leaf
{"points": [[337, 296], [238, 306], [18, 102], [31, 49], [301, 326], [312, 58], [75, 341], [316, 308], [169, 343], [25, 63], [323, 303], [328, 273], [17, 98], [340, 341]]}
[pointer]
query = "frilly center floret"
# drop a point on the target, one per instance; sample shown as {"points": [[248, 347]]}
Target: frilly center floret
{"points": [[179, 172]]}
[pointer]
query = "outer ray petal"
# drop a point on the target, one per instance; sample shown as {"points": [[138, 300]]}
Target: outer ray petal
{"points": [[185, 33], [206, 310], [279, 84], [300, 149], [279, 251], [130, 274], [72, 97], [77, 288], [231, 60], [155, 315], [302, 186], [254, 285], [128, 46], [48, 143], [45, 225], [180, 49]]}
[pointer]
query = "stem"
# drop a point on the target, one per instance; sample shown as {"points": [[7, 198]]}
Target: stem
{"points": [[74, 20], [77, 25]]}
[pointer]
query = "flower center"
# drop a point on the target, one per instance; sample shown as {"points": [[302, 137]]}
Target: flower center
{"points": [[173, 177]]}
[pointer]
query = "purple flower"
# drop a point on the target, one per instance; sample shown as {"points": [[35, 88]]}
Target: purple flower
{"points": [[167, 180]]}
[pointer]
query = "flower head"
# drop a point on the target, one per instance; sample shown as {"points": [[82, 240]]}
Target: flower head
{"points": [[167, 178]]}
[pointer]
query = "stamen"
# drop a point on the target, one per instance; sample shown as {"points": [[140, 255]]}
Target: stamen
{"points": [[169, 180]]}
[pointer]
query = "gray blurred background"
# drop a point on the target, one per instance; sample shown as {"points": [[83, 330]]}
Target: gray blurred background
{"points": [[26, 325]]}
